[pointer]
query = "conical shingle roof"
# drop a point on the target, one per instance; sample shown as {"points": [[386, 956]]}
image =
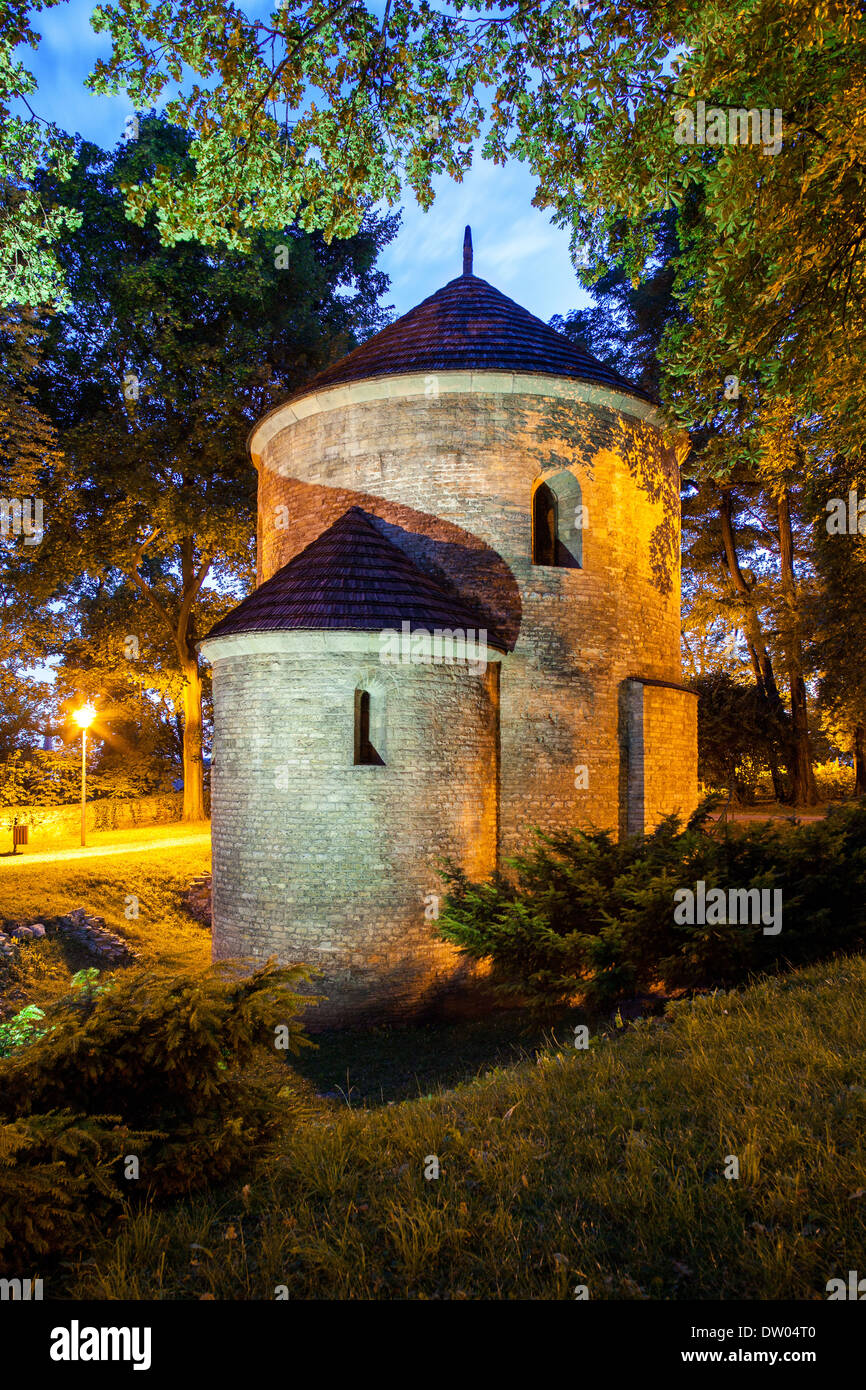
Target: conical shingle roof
{"points": [[469, 325], [349, 578]]}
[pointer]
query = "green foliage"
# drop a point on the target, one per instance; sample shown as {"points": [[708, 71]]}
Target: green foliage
{"points": [[41, 777], [170, 1068], [837, 613], [152, 378], [603, 1166], [22, 1029], [30, 226], [50, 1167], [585, 915], [738, 733], [834, 780], [334, 108], [85, 979]]}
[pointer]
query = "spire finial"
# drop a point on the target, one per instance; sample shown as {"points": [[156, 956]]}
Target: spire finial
{"points": [[467, 251]]}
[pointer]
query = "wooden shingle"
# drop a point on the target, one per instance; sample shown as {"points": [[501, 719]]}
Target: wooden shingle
{"points": [[469, 325], [350, 578]]}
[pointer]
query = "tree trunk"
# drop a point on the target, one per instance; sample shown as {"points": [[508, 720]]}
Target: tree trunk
{"points": [[182, 632], [761, 663], [804, 790], [760, 657], [779, 789], [193, 770], [860, 760]]}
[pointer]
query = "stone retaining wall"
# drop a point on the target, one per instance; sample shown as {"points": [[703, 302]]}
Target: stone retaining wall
{"points": [[49, 824]]}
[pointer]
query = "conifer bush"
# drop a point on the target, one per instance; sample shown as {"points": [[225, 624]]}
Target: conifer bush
{"points": [[177, 1070], [580, 914], [55, 1175]]}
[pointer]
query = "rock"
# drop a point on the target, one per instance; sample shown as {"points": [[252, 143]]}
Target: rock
{"points": [[91, 932], [23, 931], [197, 899]]}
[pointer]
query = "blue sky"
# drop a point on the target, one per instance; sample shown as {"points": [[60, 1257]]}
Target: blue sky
{"points": [[516, 248]]}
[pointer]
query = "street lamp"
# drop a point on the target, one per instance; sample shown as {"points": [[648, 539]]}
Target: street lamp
{"points": [[84, 717]]}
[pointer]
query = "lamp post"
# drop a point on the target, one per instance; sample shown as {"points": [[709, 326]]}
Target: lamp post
{"points": [[84, 717]]}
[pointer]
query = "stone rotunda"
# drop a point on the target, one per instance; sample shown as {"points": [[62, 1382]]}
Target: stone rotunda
{"points": [[466, 625]]}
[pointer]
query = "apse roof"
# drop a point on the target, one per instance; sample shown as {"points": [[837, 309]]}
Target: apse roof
{"points": [[469, 325], [351, 577]]}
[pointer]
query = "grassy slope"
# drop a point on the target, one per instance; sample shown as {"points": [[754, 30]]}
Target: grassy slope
{"points": [[607, 1170], [602, 1167], [163, 932]]}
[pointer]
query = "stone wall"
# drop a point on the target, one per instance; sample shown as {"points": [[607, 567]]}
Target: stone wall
{"points": [[50, 824], [659, 742], [321, 861], [335, 865], [448, 464]]}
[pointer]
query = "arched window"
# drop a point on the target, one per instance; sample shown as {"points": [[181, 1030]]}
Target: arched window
{"points": [[366, 754], [544, 526], [558, 519]]}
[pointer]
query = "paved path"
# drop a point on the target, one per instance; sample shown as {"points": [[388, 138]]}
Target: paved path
{"points": [[22, 859]]}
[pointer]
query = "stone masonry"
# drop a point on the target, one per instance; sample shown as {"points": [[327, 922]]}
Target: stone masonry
{"points": [[579, 719]]}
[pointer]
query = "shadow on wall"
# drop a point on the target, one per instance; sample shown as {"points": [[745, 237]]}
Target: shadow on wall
{"points": [[395, 994], [453, 556], [564, 438]]}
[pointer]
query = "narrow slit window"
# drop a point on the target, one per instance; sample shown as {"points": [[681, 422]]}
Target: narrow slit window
{"points": [[366, 754], [544, 526]]}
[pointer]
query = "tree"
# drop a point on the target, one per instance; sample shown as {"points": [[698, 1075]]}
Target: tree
{"points": [[322, 105], [728, 588], [320, 108], [30, 226], [738, 734], [837, 610], [311, 112], [28, 453], [153, 378], [133, 680], [738, 557], [628, 320]]}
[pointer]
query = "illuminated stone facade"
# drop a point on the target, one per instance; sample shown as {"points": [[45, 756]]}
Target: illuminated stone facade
{"points": [[578, 719]]}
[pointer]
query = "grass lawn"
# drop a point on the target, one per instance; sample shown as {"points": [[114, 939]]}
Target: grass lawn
{"points": [[557, 1167], [101, 839], [602, 1168], [163, 931]]}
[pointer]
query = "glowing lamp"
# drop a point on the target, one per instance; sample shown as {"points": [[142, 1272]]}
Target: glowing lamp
{"points": [[85, 716]]}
